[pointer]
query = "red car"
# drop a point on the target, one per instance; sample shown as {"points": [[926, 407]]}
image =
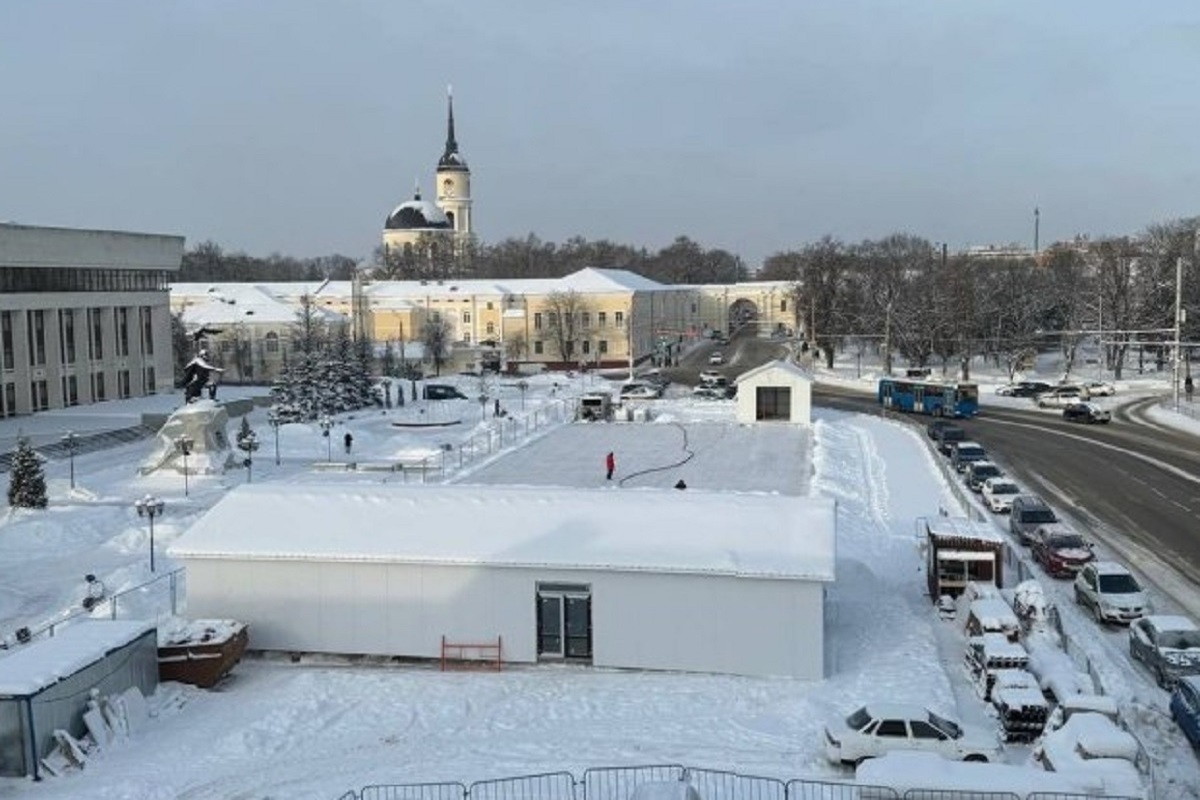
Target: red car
{"points": [[1060, 550]]}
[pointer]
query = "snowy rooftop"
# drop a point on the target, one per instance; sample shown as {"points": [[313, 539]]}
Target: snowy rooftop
{"points": [[745, 535], [47, 661]]}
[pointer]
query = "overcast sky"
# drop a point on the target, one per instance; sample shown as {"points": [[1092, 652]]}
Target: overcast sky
{"points": [[295, 127]]}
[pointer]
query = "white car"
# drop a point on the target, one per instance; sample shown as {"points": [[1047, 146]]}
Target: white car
{"points": [[717, 357], [1061, 397], [1092, 744], [710, 375], [639, 391], [998, 494], [1111, 592], [1099, 388], [878, 728]]}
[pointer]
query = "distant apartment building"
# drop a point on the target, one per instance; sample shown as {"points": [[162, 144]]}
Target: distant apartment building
{"points": [[84, 316]]}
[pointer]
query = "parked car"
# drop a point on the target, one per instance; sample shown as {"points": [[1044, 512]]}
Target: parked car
{"points": [[1111, 592], [1060, 549], [933, 428], [966, 453], [878, 728], [716, 357], [947, 436], [1099, 388], [1185, 708], [1061, 397], [709, 391], [1088, 413], [442, 391], [710, 375], [1168, 645], [1092, 744], [998, 494], [980, 471], [1028, 512]]}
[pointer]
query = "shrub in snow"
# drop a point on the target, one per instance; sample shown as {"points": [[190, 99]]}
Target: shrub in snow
{"points": [[26, 481]]}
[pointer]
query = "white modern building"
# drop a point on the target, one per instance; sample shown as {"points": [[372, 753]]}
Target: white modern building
{"points": [[83, 316], [729, 583], [776, 391]]}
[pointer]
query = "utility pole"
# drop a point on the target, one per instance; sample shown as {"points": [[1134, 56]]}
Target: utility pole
{"points": [[1178, 325], [1037, 219]]}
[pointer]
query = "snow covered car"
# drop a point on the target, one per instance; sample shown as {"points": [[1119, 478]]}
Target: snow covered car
{"points": [[1060, 550], [998, 494], [1087, 413], [879, 728], [1111, 592], [980, 471], [1168, 645], [709, 391], [1092, 744]]}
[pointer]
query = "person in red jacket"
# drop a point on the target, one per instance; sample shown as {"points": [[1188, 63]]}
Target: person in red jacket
{"points": [[610, 464]]}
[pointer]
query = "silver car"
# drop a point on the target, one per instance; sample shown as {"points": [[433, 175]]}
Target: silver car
{"points": [[1168, 645]]}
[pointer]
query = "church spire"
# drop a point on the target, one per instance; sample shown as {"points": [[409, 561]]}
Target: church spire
{"points": [[450, 158]]}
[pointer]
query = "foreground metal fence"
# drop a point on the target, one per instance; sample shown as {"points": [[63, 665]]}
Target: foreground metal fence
{"points": [[620, 783]]}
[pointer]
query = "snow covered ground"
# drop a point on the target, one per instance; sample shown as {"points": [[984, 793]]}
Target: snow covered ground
{"points": [[320, 727]]}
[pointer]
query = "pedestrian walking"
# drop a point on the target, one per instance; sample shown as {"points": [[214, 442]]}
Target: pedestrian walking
{"points": [[348, 440], [496, 407], [610, 464], [1188, 387]]}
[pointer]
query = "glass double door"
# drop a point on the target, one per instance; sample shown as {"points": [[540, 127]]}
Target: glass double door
{"points": [[564, 621]]}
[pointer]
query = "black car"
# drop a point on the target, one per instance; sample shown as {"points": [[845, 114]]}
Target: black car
{"points": [[948, 436], [1028, 389], [1087, 413], [934, 427]]}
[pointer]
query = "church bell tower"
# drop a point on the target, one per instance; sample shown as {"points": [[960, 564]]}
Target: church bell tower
{"points": [[454, 179]]}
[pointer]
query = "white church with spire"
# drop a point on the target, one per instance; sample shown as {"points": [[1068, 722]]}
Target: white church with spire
{"points": [[449, 213]]}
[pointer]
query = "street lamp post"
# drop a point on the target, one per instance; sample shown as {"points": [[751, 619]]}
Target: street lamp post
{"points": [[248, 444], [274, 421], [151, 507], [326, 423], [184, 445], [71, 442], [523, 385], [483, 398]]}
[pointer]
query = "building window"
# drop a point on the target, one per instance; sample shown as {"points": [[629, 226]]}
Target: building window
{"points": [[123, 383], [36, 329], [121, 324], [10, 399], [585, 319], [773, 402], [151, 379], [272, 342], [491, 328], [603, 346], [467, 338], [147, 326], [466, 317], [587, 347], [6, 342], [225, 345], [783, 305], [39, 394], [95, 334], [70, 390], [619, 319], [489, 305], [601, 318], [537, 347], [66, 324], [537, 320], [568, 349], [98, 386]]}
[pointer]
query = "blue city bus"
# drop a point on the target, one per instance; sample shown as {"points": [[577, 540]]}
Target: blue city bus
{"points": [[941, 399]]}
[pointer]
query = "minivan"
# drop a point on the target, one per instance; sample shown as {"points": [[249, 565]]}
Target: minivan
{"points": [[947, 436], [1028, 512], [966, 453]]}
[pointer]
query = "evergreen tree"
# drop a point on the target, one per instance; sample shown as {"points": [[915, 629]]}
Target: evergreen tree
{"points": [[27, 482], [245, 433]]}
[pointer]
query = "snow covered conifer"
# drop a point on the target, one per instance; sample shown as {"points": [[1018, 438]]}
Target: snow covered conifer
{"points": [[26, 481]]}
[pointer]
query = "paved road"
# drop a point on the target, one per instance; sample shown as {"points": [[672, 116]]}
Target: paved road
{"points": [[1134, 484]]}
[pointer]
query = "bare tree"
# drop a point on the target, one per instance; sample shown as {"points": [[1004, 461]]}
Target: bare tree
{"points": [[435, 336], [563, 317]]}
